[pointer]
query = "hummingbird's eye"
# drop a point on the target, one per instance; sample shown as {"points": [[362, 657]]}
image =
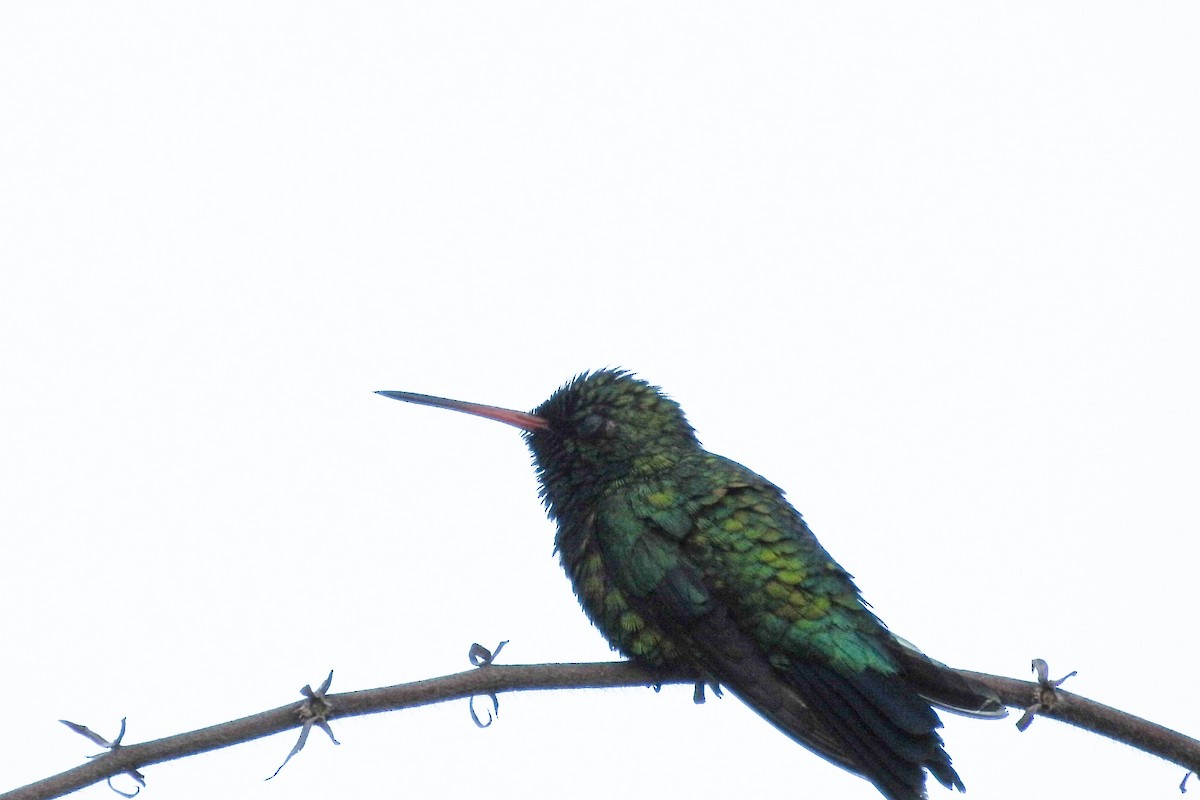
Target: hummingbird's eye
{"points": [[594, 425]]}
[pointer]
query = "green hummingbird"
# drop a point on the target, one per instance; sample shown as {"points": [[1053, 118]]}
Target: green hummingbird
{"points": [[686, 560]]}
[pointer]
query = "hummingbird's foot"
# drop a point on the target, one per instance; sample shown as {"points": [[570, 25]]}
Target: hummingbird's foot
{"points": [[314, 710], [111, 747], [1045, 696], [482, 657], [698, 694]]}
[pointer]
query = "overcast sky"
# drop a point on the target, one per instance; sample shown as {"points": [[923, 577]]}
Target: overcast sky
{"points": [[932, 268]]}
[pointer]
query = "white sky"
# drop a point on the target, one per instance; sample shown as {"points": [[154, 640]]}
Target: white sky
{"points": [[933, 268]]}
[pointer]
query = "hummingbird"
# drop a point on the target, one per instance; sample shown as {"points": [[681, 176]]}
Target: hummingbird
{"points": [[689, 561]]}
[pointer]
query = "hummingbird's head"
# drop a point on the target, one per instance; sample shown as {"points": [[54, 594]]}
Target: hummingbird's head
{"points": [[597, 428], [601, 427], [608, 420]]}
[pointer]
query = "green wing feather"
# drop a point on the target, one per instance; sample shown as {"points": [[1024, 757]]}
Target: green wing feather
{"points": [[718, 563]]}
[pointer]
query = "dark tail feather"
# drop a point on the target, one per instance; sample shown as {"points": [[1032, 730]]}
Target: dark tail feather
{"points": [[944, 687], [870, 723], [889, 730]]}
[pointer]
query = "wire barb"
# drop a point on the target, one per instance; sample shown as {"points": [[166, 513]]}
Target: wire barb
{"points": [[481, 657], [111, 747], [1045, 696], [315, 710]]}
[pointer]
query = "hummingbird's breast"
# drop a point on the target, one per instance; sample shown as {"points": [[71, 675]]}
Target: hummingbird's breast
{"points": [[609, 608]]}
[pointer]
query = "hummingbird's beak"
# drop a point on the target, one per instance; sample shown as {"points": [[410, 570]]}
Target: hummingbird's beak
{"points": [[519, 419]]}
